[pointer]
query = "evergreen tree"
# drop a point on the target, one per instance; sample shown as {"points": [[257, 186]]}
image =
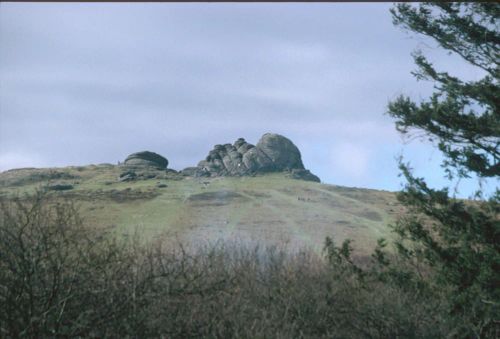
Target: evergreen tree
{"points": [[457, 241]]}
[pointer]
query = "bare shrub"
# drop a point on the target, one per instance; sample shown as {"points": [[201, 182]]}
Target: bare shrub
{"points": [[57, 277], [61, 278]]}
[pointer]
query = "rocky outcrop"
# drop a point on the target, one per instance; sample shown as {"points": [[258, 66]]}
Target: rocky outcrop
{"points": [[146, 159], [273, 153]]}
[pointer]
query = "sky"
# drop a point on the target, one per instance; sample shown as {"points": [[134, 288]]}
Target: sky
{"points": [[89, 83]]}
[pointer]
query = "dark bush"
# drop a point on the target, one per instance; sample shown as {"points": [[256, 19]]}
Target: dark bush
{"points": [[26, 176], [59, 187]]}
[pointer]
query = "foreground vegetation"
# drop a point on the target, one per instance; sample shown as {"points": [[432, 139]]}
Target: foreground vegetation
{"points": [[60, 278]]}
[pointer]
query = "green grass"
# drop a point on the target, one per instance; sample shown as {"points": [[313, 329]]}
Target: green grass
{"points": [[265, 209]]}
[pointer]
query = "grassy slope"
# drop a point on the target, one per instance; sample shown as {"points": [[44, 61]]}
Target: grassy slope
{"points": [[266, 209]]}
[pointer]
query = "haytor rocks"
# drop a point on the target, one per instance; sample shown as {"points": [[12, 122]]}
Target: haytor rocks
{"points": [[273, 153]]}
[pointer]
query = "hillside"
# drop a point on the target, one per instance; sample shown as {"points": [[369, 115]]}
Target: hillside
{"points": [[265, 208]]}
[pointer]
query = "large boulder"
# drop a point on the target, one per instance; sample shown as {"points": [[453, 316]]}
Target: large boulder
{"points": [[146, 159], [284, 155]]}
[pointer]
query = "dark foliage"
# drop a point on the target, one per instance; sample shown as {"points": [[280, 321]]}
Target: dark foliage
{"points": [[455, 242], [462, 116]]}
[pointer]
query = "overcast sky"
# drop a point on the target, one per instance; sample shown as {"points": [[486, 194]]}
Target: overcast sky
{"points": [[91, 83]]}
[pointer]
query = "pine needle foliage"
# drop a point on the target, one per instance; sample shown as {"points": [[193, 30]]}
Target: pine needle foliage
{"points": [[456, 242]]}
